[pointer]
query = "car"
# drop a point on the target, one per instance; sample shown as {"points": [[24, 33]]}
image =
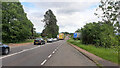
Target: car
{"points": [[55, 39], [39, 41], [4, 49], [50, 40]]}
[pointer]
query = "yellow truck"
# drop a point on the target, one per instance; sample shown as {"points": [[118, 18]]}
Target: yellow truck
{"points": [[61, 36]]}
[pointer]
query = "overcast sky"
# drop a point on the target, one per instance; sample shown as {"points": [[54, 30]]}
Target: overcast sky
{"points": [[70, 15]]}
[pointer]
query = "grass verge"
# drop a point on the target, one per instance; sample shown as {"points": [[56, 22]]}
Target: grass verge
{"points": [[105, 53], [26, 41]]}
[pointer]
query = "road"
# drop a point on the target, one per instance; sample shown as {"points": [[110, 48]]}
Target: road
{"points": [[51, 54]]}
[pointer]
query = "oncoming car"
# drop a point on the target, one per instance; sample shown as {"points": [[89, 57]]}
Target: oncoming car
{"points": [[4, 49], [39, 41], [50, 40], [55, 39]]}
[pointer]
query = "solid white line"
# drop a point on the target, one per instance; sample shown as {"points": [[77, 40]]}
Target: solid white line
{"points": [[11, 54], [49, 56], [19, 52], [43, 62]]}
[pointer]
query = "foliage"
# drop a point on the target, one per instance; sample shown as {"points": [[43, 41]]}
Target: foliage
{"points": [[99, 34], [78, 30], [15, 24], [104, 33], [51, 28], [65, 33], [110, 14], [37, 35], [0, 21], [110, 11]]}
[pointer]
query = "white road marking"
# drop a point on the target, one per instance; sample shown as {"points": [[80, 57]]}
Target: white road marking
{"points": [[49, 55], [43, 62], [20, 52], [53, 52], [55, 49]]}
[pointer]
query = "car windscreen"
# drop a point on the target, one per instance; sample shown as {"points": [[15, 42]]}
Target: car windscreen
{"points": [[39, 39], [0, 44]]}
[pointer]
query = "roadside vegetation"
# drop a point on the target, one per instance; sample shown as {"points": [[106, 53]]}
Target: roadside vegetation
{"points": [[110, 54], [102, 38], [16, 27], [26, 41]]}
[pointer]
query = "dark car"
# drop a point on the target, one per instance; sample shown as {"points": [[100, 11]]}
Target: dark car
{"points": [[39, 41], [4, 49]]}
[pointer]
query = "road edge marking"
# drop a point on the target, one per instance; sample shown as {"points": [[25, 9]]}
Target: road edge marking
{"points": [[20, 52]]}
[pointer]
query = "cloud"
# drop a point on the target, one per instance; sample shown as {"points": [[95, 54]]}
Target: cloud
{"points": [[66, 7], [58, 0], [77, 20], [70, 15]]}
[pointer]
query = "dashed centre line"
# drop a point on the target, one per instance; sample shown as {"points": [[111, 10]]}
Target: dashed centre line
{"points": [[43, 62], [49, 55]]}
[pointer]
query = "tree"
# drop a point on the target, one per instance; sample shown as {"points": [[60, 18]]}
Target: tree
{"points": [[110, 12], [51, 28], [99, 34], [78, 30], [15, 24], [65, 33], [0, 21]]}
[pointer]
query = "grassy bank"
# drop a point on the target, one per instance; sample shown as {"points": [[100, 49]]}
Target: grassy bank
{"points": [[26, 41], [110, 54]]}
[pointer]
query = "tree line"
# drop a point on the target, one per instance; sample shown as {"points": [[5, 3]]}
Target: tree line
{"points": [[16, 26], [105, 33]]}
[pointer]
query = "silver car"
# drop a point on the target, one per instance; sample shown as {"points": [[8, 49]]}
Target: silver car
{"points": [[50, 40]]}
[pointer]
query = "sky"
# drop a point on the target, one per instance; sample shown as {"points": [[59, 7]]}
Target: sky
{"points": [[71, 15]]}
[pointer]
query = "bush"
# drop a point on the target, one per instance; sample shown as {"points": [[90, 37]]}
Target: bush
{"points": [[99, 34]]}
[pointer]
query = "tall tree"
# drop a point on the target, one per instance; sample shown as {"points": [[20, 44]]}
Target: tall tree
{"points": [[110, 12], [15, 24], [51, 28], [0, 21]]}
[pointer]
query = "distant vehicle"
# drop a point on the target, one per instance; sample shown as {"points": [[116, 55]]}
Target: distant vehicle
{"points": [[76, 36], [55, 39], [50, 40], [4, 49], [39, 41], [58, 37], [61, 36]]}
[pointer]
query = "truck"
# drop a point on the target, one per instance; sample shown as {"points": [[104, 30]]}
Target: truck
{"points": [[76, 36], [61, 36]]}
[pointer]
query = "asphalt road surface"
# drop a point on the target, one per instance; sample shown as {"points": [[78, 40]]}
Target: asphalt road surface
{"points": [[51, 54]]}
